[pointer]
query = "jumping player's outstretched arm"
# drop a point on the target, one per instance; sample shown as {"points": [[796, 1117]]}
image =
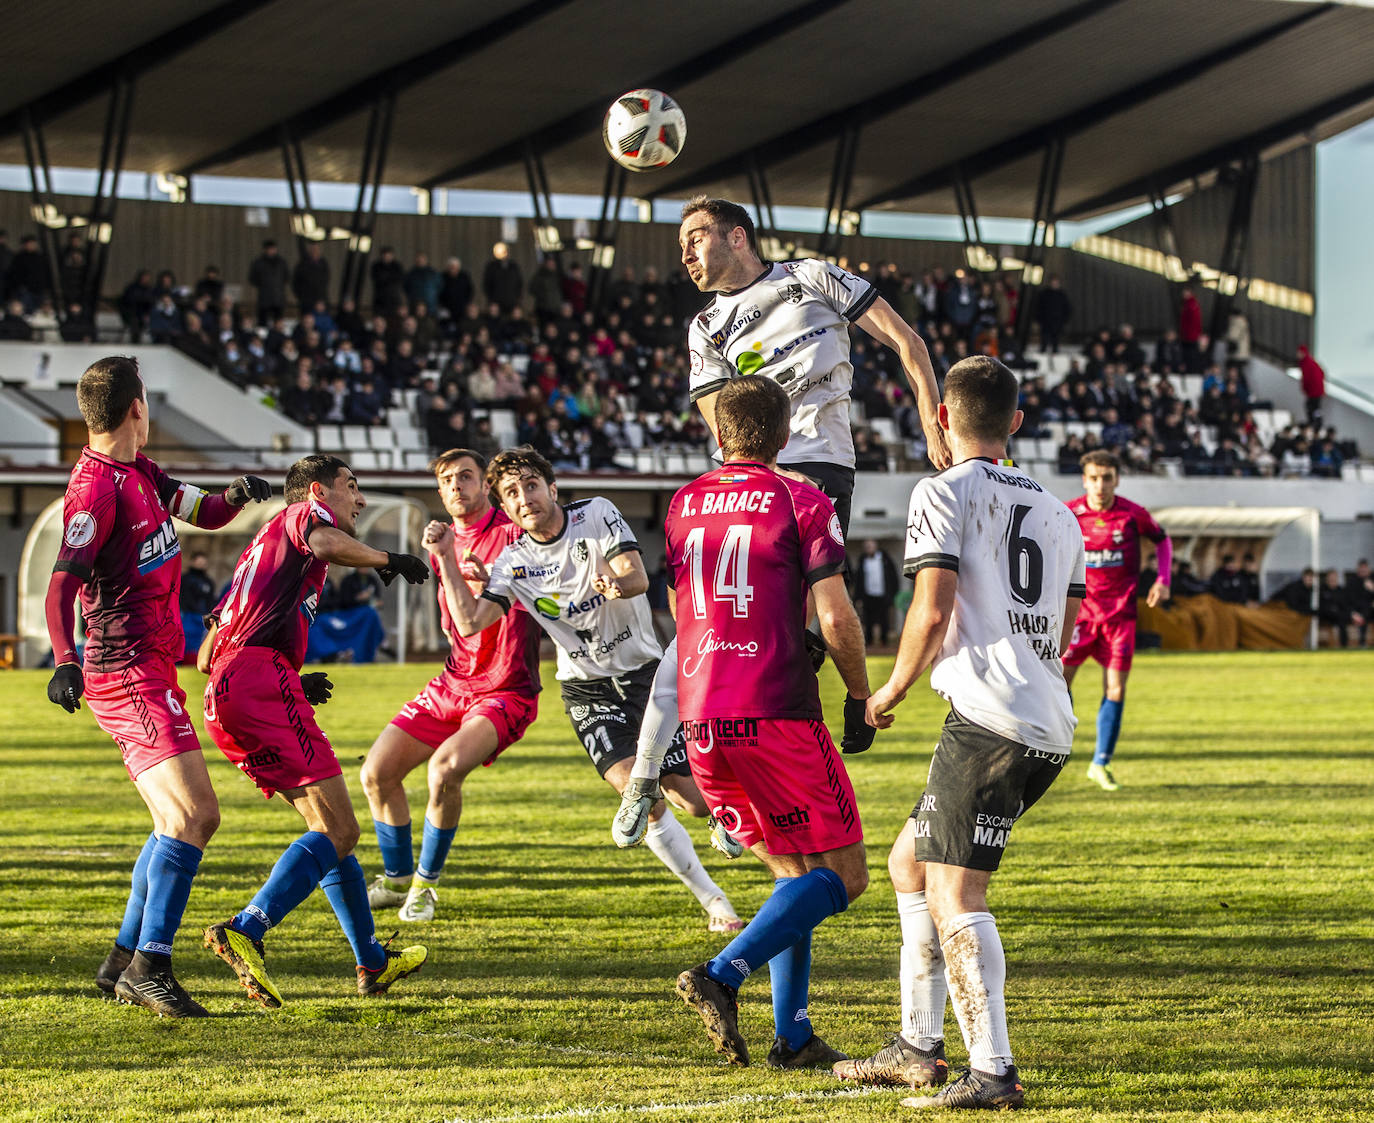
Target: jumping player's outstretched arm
{"points": [[470, 614], [884, 325]]}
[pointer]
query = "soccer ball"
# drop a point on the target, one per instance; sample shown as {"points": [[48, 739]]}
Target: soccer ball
{"points": [[644, 129]]}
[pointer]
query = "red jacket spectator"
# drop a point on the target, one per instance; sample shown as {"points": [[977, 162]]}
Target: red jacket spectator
{"points": [[1313, 377], [1189, 318]]}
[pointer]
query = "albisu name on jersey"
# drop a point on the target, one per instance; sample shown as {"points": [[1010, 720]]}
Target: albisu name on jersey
{"points": [[1037, 630]]}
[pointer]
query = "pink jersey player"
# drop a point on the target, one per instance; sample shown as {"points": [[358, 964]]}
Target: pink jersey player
{"points": [[744, 545], [254, 694]]}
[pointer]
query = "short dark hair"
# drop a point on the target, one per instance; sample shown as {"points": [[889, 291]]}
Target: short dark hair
{"points": [[1101, 458], [752, 416], [317, 468], [106, 390], [726, 216], [453, 455], [522, 461], [981, 395]]}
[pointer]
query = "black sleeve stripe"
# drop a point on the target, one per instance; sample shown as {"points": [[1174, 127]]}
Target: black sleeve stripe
{"points": [[167, 488], [622, 548], [82, 571], [497, 599], [931, 561], [707, 390], [821, 572], [1078, 592], [863, 304]]}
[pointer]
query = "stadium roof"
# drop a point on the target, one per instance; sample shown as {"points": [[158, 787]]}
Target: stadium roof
{"points": [[1146, 93]]}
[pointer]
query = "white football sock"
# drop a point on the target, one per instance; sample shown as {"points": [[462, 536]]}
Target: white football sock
{"points": [[659, 727], [922, 974], [977, 971], [672, 845]]}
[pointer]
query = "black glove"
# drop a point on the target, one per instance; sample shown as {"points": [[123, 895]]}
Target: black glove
{"points": [[247, 488], [858, 734], [316, 687], [413, 569], [815, 649], [66, 687]]}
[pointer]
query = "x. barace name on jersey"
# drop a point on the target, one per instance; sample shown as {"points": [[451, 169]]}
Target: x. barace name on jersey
{"points": [[790, 325], [596, 636]]}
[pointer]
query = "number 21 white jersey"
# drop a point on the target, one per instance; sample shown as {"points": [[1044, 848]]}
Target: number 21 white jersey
{"points": [[1019, 555]]}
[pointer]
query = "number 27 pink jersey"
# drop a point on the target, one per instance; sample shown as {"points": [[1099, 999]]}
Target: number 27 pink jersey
{"points": [[744, 545]]}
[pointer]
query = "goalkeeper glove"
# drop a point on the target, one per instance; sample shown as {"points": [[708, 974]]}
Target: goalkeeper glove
{"points": [[247, 488], [316, 687], [66, 687], [858, 734], [413, 569]]}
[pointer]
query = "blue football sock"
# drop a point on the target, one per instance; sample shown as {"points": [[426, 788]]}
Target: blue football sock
{"points": [[293, 879], [797, 905], [138, 894], [1108, 730], [398, 857], [172, 866], [790, 974], [434, 850], [346, 889]]}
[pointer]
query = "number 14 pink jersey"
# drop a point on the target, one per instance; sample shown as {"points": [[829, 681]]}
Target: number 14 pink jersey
{"points": [[744, 545]]}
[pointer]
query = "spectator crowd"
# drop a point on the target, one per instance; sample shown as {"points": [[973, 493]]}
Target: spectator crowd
{"points": [[589, 380]]}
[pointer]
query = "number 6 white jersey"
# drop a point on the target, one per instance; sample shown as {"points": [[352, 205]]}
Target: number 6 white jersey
{"points": [[1019, 555]]}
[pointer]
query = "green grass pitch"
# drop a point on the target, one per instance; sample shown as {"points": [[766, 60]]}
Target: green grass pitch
{"points": [[1198, 946]]}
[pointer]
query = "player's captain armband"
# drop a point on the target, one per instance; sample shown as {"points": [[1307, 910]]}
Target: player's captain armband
{"points": [[185, 502]]}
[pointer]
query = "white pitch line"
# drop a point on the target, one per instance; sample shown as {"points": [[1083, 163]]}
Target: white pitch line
{"points": [[658, 1108]]}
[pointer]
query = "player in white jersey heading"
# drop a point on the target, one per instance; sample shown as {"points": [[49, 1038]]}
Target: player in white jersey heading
{"points": [[999, 570], [577, 570]]}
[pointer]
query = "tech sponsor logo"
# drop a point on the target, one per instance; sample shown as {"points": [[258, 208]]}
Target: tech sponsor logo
{"points": [[159, 548], [733, 732], [799, 818], [263, 758], [992, 830], [80, 530]]}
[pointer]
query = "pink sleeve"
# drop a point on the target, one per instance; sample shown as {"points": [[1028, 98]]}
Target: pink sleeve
{"points": [[88, 517], [1164, 560], [822, 539], [60, 610], [301, 519]]}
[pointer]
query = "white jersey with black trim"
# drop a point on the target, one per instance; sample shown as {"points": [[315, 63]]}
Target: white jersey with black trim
{"points": [[1019, 555], [790, 325], [596, 637]]}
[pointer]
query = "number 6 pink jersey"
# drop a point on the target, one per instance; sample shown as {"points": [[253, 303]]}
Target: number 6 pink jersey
{"points": [[744, 544], [277, 582]]}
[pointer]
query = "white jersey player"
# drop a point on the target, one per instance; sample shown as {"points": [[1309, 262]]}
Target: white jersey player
{"points": [[999, 570], [578, 571]]}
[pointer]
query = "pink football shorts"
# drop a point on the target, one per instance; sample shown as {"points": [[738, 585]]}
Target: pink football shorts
{"points": [[779, 781], [144, 710], [1110, 642], [256, 711], [437, 713]]}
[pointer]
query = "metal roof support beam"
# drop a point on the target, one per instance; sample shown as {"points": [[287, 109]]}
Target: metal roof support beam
{"points": [[837, 197], [393, 80], [546, 236], [1014, 148], [767, 229], [1167, 242], [364, 220], [1042, 234], [130, 64], [820, 129], [587, 118], [976, 252], [607, 230], [1222, 154], [43, 207], [298, 187], [1237, 244]]}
